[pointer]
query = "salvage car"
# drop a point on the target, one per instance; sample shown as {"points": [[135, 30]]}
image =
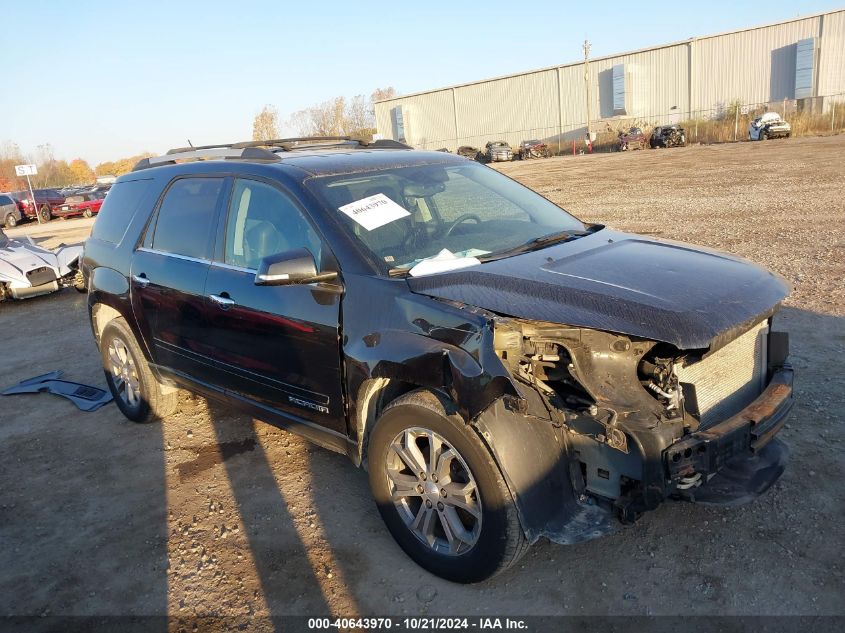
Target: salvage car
{"points": [[496, 151], [668, 136], [503, 370], [84, 204], [634, 138], [768, 125], [533, 149], [10, 213], [468, 151], [27, 270]]}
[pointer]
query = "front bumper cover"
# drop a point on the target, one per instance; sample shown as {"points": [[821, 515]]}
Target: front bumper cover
{"points": [[740, 449]]}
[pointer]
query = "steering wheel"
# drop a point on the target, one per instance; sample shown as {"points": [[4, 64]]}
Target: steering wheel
{"points": [[460, 220]]}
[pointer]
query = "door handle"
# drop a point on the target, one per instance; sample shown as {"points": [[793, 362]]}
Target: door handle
{"points": [[224, 303], [141, 280]]}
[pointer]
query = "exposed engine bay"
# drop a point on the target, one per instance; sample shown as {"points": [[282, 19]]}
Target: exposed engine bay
{"points": [[624, 401]]}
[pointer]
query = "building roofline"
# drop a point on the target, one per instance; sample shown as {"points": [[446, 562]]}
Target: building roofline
{"points": [[606, 57]]}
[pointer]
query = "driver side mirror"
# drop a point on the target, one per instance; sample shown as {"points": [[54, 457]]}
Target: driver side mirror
{"points": [[290, 268]]}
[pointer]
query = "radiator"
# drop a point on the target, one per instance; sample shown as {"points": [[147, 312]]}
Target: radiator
{"points": [[725, 382]]}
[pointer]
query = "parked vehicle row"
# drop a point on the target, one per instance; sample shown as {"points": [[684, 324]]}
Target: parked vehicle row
{"points": [[18, 206], [661, 136]]}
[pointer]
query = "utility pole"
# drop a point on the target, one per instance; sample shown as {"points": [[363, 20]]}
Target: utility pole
{"points": [[587, 82]]}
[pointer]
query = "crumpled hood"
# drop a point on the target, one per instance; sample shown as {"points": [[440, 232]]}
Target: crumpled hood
{"points": [[630, 284], [16, 260], [17, 257]]}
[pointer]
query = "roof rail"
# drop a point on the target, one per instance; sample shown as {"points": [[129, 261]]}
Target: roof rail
{"points": [[255, 150], [206, 152]]}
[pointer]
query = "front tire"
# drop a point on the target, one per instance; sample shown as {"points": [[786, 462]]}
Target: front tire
{"points": [[87, 213], [136, 391], [46, 213], [440, 492]]}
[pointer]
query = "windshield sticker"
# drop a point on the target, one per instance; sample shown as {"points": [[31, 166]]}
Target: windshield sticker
{"points": [[374, 211]]}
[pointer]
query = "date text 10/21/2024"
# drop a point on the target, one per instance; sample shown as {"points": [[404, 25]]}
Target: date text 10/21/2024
{"points": [[418, 623]]}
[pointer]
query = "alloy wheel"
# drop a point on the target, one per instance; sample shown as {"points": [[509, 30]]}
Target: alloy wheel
{"points": [[124, 373], [434, 491]]}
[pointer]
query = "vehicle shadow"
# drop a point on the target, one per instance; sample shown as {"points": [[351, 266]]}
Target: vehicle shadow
{"points": [[271, 507], [83, 518]]}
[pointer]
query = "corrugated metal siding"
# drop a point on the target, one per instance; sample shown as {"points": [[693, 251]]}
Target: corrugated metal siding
{"points": [[658, 83], [512, 109], [755, 66], [831, 71], [429, 119]]}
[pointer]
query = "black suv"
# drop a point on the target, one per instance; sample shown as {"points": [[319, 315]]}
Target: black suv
{"points": [[504, 371]]}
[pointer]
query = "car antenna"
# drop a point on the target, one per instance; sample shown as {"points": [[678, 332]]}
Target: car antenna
{"points": [[189, 143]]}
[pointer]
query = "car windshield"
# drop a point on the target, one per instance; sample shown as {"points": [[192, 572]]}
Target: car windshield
{"points": [[406, 215]]}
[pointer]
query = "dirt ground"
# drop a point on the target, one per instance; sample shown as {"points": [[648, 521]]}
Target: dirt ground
{"points": [[212, 513]]}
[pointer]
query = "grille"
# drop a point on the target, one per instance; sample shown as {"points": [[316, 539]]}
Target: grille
{"points": [[722, 384], [40, 276]]}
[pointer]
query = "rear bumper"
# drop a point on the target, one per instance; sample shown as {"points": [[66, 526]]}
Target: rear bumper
{"points": [[693, 461]]}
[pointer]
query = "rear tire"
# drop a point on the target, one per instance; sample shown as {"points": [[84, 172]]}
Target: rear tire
{"points": [[11, 221], [486, 536], [136, 391], [46, 213]]}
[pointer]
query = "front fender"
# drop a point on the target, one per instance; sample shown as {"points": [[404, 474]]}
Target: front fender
{"points": [[425, 362], [543, 476], [378, 359], [67, 258]]}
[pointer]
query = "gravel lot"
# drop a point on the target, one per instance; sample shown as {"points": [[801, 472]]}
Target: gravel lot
{"points": [[213, 513]]}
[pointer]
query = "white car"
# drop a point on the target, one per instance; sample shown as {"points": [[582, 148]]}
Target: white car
{"points": [[769, 125], [27, 270]]}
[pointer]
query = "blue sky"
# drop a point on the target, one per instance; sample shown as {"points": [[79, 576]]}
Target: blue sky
{"points": [[106, 80]]}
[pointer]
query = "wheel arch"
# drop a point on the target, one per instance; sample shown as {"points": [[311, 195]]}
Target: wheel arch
{"points": [[101, 315], [383, 368]]}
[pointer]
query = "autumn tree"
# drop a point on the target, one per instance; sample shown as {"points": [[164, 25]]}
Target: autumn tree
{"points": [[119, 167], [359, 118], [81, 171], [380, 94], [265, 125], [10, 155], [339, 117]]}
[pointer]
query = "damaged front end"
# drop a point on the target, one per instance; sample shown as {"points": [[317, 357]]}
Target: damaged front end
{"points": [[635, 422]]}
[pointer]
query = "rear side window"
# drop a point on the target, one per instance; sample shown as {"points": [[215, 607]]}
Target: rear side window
{"points": [[5, 200], [186, 217], [118, 209]]}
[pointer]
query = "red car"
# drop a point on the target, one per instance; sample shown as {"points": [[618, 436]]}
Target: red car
{"points": [[632, 139], [84, 204]]}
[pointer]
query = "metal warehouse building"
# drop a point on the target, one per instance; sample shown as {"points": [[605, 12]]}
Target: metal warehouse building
{"points": [[793, 65]]}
